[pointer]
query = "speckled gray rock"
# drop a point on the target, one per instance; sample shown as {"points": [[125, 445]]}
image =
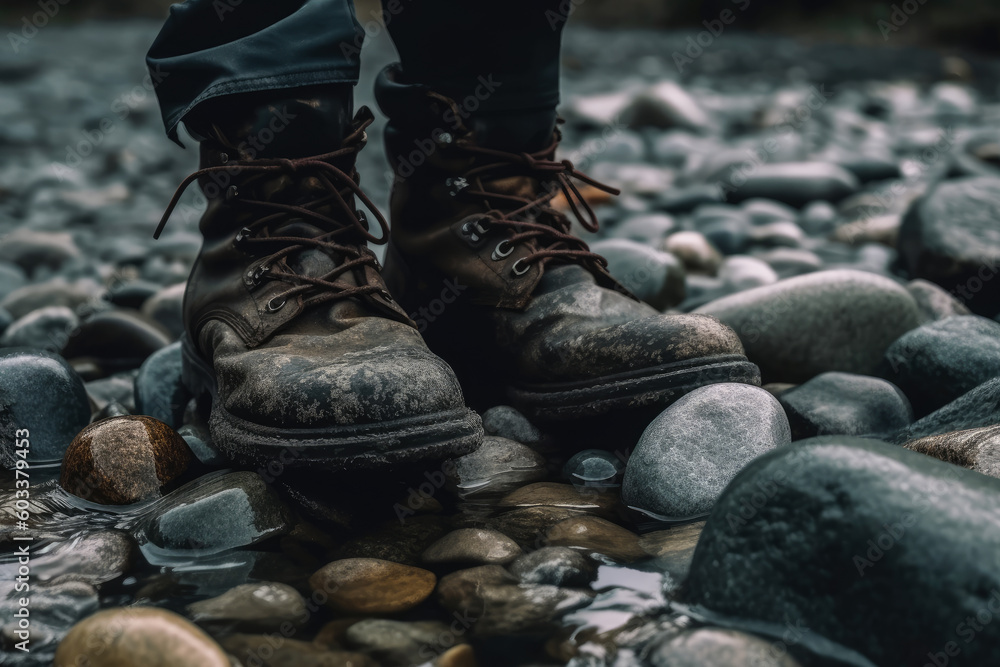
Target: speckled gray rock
{"points": [[974, 409], [473, 546], [54, 292], [665, 105], [934, 302], [217, 512], [47, 328], [655, 277], [39, 392], [790, 262], [845, 404], [951, 237], [256, 607], [938, 362], [867, 518], [695, 251], [688, 454], [554, 566], [976, 448], [840, 320], [743, 272], [159, 391], [498, 466], [717, 646]]}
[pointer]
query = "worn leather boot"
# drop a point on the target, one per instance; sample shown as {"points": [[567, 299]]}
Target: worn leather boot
{"points": [[505, 293], [309, 360]]}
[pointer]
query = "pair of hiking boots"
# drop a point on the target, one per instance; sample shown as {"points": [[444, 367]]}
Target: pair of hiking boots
{"points": [[315, 354]]}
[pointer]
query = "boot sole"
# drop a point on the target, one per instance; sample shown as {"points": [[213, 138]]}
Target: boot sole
{"points": [[381, 445], [658, 386]]}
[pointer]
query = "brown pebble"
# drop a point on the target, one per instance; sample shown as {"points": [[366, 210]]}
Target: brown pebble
{"points": [[372, 586]]}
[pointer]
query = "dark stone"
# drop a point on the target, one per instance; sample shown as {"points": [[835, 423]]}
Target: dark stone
{"points": [[93, 558], [54, 292], [117, 340], [507, 422], [123, 460], [655, 277], [845, 404], [555, 566], [951, 237], [717, 646], [159, 391], [793, 183], [882, 550], [166, 308], [31, 249], [47, 328], [934, 302], [840, 320], [688, 454], [40, 393], [975, 448], [979, 407], [940, 361], [217, 512]]}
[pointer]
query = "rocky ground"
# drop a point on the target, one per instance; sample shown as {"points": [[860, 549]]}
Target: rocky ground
{"points": [[837, 207]]}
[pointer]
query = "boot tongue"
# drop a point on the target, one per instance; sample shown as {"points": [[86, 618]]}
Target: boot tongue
{"points": [[308, 261]]}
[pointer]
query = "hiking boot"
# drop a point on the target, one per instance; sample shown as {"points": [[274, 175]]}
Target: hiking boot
{"points": [[502, 289], [289, 326]]}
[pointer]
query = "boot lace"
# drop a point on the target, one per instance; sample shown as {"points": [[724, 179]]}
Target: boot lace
{"points": [[343, 242], [533, 218]]}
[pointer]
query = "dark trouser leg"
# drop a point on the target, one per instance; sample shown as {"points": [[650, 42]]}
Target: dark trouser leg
{"points": [[498, 60], [211, 49]]}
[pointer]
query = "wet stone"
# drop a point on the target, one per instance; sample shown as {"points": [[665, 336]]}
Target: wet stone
{"points": [[694, 448], [217, 512], [372, 586], [258, 607], [845, 404], [472, 546], [499, 465], [92, 558], [506, 422], [974, 409], [491, 595], [841, 320], [938, 362], [138, 636], [159, 391], [653, 276], [260, 650], [551, 494], [117, 339], [527, 525], [594, 467], [976, 449], [715, 646], [866, 517], [41, 393], [400, 542], [554, 566], [47, 328], [124, 460], [598, 535], [673, 548], [400, 643], [935, 303]]}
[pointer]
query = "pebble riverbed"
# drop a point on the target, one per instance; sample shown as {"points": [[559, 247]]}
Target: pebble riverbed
{"points": [[839, 207]]}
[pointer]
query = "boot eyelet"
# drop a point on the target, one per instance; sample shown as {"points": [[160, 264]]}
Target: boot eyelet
{"points": [[445, 138], [520, 272], [242, 235], [499, 253], [456, 185], [223, 158], [475, 230], [253, 277], [232, 192], [385, 295], [273, 307]]}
